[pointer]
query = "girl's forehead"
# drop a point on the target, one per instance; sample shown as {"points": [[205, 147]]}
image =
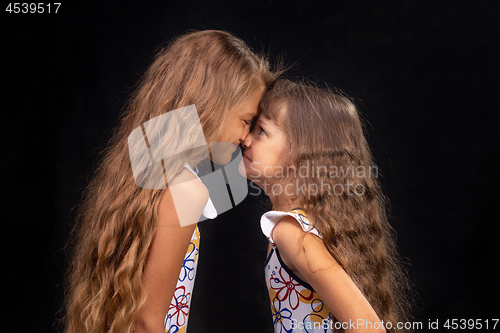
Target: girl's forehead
{"points": [[275, 114]]}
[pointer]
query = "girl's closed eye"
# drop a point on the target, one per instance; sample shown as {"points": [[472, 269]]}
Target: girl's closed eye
{"points": [[261, 131], [247, 122]]}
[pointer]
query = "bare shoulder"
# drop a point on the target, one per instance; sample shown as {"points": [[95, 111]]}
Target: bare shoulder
{"points": [[286, 231], [289, 231], [183, 201], [303, 249], [187, 184], [183, 176]]}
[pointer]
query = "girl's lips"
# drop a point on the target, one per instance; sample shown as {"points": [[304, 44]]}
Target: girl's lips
{"points": [[246, 158]]}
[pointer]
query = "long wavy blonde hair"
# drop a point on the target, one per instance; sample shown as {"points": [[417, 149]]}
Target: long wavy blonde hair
{"points": [[117, 219], [341, 193]]}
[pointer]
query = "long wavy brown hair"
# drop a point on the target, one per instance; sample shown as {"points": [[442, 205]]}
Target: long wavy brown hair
{"points": [[117, 219], [340, 193]]}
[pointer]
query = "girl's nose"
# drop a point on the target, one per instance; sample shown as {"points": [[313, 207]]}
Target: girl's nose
{"points": [[247, 142], [245, 134]]}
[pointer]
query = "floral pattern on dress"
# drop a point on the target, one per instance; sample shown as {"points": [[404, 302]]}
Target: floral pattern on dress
{"points": [[178, 311], [191, 258], [286, 288], [281, 316]]}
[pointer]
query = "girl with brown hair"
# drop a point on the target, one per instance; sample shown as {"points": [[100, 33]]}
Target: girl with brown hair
{"points": [[332, 263], [135, 244]]}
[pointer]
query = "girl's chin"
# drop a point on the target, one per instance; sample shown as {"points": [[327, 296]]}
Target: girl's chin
{"points": [[222, 152], [245, 170], [242, 168], [222, 158]]}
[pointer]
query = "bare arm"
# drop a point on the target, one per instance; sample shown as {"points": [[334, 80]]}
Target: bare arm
{"points": [[168, 251], [310, 257]]}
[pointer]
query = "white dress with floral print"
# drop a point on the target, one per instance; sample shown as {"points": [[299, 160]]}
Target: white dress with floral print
{"points": [[295, 306]]}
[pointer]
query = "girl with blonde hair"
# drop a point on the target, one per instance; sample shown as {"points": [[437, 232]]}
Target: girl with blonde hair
{"points": [[332, 264], [134, 249]]}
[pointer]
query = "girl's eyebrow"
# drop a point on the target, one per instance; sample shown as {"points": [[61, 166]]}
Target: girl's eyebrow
{"points": [[263, 121], [263, 118]]}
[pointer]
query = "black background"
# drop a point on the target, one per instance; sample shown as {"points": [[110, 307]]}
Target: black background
{"points": [[423, 74]]}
